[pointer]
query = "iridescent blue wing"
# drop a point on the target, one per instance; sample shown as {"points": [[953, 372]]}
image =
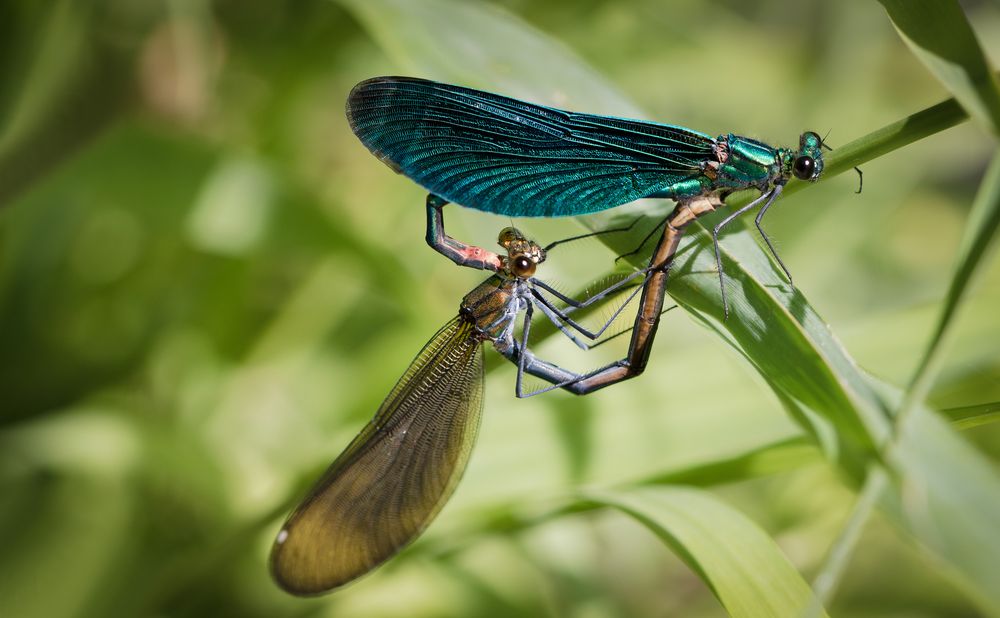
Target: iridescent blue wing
{"points": [[510, 157], [395, 476]]}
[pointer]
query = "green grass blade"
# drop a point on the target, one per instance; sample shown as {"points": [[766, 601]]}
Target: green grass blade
{"points": [[503, 52], [773, 326], [968, 417], [946, 494], [889, 138], [762, 460], [940, 36], [768, 459], [973, 258], [745, 569], [838, 558], [913, 426]]}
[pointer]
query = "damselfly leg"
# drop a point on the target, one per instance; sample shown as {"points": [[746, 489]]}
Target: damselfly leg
{"points": [[643, 329]]}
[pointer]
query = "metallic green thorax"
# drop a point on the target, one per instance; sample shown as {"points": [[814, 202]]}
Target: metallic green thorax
{"points": [[742, 163], [748, 163]]}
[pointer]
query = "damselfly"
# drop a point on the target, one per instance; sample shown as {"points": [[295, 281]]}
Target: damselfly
{"points": [[511, 157], [395, 476]]}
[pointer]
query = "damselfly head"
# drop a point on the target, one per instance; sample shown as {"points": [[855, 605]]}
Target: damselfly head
{"points": [[808, 161], [509, 235], [523, 255]]}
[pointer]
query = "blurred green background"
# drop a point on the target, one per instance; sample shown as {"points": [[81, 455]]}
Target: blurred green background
{"points": [[207, 286]]}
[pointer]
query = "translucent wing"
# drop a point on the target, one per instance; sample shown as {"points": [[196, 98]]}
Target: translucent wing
{"points": [[510, 157], [394, 477]]}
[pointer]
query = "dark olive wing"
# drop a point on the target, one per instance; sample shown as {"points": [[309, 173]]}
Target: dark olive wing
{"points": [[394, 477], [510, 157]]}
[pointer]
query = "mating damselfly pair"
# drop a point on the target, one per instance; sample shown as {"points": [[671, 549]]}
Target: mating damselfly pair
{"points": [[511, 157]]}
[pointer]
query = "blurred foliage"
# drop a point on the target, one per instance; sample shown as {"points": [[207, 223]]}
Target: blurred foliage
{"points": [[207, 286]]}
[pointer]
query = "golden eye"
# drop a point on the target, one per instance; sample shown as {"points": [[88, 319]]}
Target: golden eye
{"points": [[522, 266]]}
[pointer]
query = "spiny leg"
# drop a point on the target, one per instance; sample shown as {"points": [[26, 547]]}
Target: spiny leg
{"points": [[561, 325], [561, 378], [715, 243], [526, 362], [629, 367], [643, 331], [522, 352], [644, 241], [563, 322], [582, 304], [592, 234], [609, 338], [557, 377], [767, 239], [559, 317], [647, 318]]}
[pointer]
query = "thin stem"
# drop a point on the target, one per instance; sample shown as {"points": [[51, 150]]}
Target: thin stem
{"points": [[983, 224], [828, 579]]}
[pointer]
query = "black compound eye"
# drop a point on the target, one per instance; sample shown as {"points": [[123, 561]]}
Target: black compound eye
{"points": [[803, 167], [522, 266]]}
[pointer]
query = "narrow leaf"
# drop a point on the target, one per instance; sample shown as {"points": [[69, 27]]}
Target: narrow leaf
{"points": [[745, 569], [768, 459], [973, 257], [939, 34], [967, 417], [485, 46]]}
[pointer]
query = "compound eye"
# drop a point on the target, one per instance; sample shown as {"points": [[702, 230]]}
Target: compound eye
{"points": [[522, 266], [803, 167]]}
